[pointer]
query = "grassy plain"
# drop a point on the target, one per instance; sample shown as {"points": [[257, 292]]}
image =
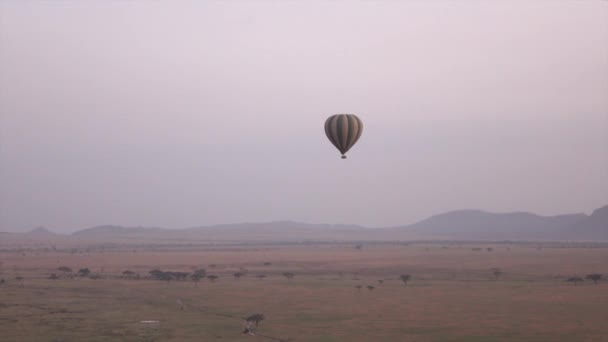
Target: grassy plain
{"points": [[453, 295]]}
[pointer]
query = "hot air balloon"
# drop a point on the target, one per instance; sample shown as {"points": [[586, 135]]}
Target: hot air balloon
{"points": [[343, 130]]}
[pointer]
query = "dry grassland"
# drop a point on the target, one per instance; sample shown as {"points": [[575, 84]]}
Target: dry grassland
{"points": [[453, 295]]}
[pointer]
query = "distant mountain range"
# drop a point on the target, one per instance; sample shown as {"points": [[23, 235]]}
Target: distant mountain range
{"points": [[455, 225], [476, 224], [41, 231], [481, 225], [238, 232]]}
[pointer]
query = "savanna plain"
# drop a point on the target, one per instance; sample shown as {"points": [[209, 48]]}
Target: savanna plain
{"points": [[307, 292]]}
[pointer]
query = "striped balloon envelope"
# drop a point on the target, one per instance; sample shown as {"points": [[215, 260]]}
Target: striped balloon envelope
{"points": [[343, 130]]}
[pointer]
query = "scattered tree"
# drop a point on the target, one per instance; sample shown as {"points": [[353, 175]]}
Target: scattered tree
{"points": [[83, 272], [595, 277], [489, 249], [575, 280], [212, 277], [128, 274], [168, 276], [180, 275], [160, 275], [405, 278], [53, 276], [359, 247], [358, 287], [497, 273], [255, 318], [165, 276], [267, 263], [237, 275], [201, 272], [261, 276], [156, 274], [370, 288], [196, 278], [288, 275], [65, 269], [380, 281]]}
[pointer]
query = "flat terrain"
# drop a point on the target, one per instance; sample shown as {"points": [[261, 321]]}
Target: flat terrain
{"points": [[453, 294]]}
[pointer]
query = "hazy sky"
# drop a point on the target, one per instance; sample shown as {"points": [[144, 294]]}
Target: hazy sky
{"points": [[178, 113]]}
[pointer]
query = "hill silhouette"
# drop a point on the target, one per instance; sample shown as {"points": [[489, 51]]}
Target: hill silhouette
{"points": [[594, 227], [41, 231], [454, 225], [477, 224]]}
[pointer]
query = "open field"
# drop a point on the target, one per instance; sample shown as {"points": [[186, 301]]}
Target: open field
{"points": [[452, 296]]}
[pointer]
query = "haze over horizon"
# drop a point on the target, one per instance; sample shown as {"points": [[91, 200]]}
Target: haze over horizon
{"points": [[179, 115]]}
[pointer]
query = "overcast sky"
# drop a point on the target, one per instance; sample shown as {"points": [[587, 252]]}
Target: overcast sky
{"points": [[179, 114]]}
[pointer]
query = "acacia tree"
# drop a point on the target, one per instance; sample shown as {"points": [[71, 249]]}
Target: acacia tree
{"points": [[83, 272], [595, 277], [261, 276], [165, 276], [255, 318], [237, 275], [128, 274], [160, 275], [575, 280], [180, 275], [201, 272], [212, 277], [405, 278], [156, 274], [288, 275], [380, 281], [496, 272], [64, 269], [370, 288], [196, 278], [358, 287]]}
